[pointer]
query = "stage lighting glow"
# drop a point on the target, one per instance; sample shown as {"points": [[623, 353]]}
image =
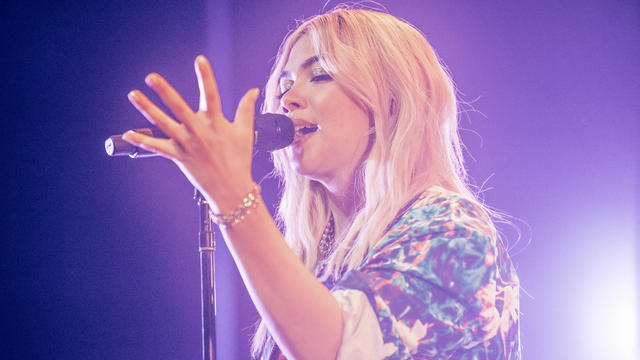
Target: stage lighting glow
{"points": [[607, 315]]}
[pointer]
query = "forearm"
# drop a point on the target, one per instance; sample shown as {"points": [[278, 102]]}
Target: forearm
{"points": [[207, 147], [300, 312]]}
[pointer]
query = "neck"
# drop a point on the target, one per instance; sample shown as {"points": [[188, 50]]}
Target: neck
{"points": [[343, 203]]}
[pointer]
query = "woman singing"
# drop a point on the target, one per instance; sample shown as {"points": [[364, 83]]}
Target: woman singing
{"points": [[386, 253]]}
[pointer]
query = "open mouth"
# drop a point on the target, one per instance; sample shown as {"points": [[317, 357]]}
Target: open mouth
{"points": [[303, 130]]}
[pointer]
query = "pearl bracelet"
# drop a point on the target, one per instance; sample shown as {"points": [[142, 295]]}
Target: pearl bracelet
{"points": [[248, 202]]}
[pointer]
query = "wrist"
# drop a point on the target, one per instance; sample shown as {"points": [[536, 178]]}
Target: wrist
{"points": [[228, 215], [224, 196]]}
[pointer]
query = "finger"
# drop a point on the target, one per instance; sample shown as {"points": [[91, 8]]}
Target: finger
{"points": [[209, 95], [246, 110], [172, 99], [162, 147], [156, 116]]}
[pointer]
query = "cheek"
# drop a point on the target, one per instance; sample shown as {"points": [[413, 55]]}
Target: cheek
{"points": [[344, 123], [333, 106], [355, 121], [351, 135]]}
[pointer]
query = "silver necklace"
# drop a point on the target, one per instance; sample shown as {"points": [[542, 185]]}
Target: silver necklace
{"points": [[325, 247]]}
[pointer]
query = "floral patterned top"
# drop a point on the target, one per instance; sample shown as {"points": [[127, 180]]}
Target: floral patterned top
{"points": [[440, 284]]}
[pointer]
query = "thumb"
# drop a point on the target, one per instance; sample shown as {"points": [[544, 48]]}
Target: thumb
{"points": [[245, 112]]}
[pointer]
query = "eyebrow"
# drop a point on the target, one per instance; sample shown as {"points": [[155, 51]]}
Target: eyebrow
{"points": [[305, 64]]}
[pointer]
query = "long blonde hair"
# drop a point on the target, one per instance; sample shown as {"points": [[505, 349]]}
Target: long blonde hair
{"points": [[389, 69]]}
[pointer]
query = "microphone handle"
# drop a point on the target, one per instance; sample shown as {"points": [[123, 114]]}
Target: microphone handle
{"points": [[271, 132], [115, 146]]}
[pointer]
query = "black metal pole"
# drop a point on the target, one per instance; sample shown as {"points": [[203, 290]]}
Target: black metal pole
{"points": [[206, 247]]}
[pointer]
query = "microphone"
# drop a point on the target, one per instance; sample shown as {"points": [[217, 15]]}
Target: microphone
{"points": [[271, 132]]}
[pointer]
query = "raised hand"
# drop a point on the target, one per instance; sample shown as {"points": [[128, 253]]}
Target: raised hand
{"points": [[215, 155], [212, 152]]}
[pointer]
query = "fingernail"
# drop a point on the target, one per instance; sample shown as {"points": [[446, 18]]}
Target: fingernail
{"points": [[129, 135], [200, 59], [151, 79], [132, 95]]}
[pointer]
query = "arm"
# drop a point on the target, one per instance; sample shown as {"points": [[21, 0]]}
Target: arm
{"points": [[215, 155], [298, 309]]}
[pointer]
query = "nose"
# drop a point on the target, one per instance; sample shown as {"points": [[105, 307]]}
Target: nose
{"points": [[292, 100]]}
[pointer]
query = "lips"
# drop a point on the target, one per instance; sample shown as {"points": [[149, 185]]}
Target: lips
{"points": [[302, 129], [302, 134], [306, 129]]}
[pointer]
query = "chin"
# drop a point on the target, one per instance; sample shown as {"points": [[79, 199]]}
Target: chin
{"points": [[308, 172], [303, 170], [309, 165]]}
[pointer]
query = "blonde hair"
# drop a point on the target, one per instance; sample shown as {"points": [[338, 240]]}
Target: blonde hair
{"points": [[389, 69]]}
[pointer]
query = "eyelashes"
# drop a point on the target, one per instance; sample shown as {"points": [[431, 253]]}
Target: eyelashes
{"points": [[284, 87], [321, 77], [287, 84]]}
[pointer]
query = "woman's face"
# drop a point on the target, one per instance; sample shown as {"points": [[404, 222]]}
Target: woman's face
{"points": [[311, 98]]}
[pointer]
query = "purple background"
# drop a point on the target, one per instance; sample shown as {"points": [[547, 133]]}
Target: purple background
{"points": [[100, 255]]}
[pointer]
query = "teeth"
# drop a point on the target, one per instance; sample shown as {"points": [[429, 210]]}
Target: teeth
{"points": [[300, 127], [306, 129], [302, 130]]}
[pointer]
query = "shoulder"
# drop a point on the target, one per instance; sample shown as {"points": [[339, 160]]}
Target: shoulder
{"points": [[438, 212], [435, 272], [442, 238]]}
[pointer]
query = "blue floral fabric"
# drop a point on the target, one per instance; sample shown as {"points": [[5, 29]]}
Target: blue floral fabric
{"points": [[441, 284]]}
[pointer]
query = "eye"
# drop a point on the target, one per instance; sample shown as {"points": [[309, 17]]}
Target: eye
{"points": [[285, 85], [318, 74], [321, 77]]}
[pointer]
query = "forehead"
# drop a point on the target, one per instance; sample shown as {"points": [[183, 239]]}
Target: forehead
{"points": [[302, 54]]}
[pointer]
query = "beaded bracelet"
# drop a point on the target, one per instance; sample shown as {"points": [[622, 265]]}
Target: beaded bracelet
{"points": [[248, 202]]}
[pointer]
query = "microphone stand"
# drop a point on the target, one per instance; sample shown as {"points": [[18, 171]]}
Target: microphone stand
{"points": [[272, 132], [206, 247]]}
